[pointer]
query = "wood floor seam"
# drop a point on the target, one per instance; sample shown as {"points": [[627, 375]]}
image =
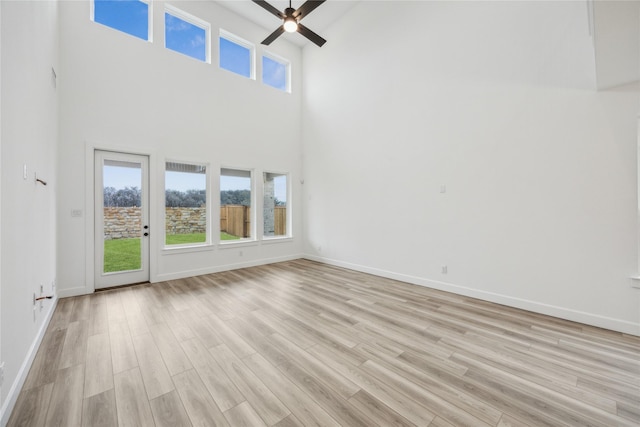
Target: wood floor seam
{"points": [[301, 343]]}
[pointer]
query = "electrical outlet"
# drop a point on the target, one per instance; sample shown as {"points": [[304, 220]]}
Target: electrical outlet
{"points": [[41, 288], [240, 253], [1, 373], [444, 269]]}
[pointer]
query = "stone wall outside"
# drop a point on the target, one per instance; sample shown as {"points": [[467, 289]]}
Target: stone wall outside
{"points": [[124, 223], [121, 223], [185, 220]]}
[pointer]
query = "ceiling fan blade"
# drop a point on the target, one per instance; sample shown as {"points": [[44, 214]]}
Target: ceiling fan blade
{"points": [[269, 8], [307, 8], [310, 35], [277, 33]]}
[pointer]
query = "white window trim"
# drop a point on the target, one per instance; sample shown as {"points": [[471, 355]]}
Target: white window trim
{"points": [[187, 247], [284, 62], [635, 280], [247, 241], [194, 20], [289, 234], [149, 3], [244, 43]]}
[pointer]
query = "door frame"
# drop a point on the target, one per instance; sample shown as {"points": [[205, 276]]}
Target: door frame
{"points": [[89, 208], [108, 280]]}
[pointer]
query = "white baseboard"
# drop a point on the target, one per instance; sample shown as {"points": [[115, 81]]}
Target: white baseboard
{"points": [[219, 268], [618, 325], [73, 292], [14, 391]]}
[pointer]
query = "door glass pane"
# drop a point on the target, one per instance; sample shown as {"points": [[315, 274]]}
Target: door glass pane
{"points": [[122, 183]]}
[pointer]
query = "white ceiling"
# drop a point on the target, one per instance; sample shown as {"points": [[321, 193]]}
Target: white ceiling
{"points": [[616, 25], [317, 21]]}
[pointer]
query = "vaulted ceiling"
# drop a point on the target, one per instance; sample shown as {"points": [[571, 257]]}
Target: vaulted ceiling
{"points": [[614, 26], [321, 18]]}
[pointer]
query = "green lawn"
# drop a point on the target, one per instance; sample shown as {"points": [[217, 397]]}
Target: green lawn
{"points": [[225, 236], [124, 254], [183, 239], [121, 255]]}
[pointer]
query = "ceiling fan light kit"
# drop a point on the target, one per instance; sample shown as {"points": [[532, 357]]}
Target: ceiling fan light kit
{"points": [[291, 20]]}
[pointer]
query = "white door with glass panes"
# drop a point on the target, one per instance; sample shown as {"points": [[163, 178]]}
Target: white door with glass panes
{"points": [[121, 219]]}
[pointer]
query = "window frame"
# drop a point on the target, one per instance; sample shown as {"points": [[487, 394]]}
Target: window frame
{"points": [[288, 221], [253, 206], [149, 3], [240, 42], [283, 61], [193, 20], [188, 247]]}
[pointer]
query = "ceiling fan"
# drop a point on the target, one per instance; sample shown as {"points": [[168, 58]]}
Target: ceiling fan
{"points": [[291, 20]]}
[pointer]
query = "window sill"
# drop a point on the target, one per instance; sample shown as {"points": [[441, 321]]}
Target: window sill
{"points": [[276, 239], [225, 244], [186, 249]]}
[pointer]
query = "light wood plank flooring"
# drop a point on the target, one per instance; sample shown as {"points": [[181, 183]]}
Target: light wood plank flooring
{"points": [[305, 344]]}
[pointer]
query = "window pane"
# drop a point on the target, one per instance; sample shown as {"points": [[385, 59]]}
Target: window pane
{"points": [[235, 204], [185, 204], [122, 183], [274, 73], [235, 58], [129, 16], [185, 37], [275, 205]]}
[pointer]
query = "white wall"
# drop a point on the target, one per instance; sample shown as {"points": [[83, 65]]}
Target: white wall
{"points": [[496, 102], [29, 136], [122, 93], [1, 365]]}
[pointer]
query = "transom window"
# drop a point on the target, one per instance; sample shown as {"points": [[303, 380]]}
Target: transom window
{"points": [[129, 16], [236, 54], [186, 34], [275, 72]]}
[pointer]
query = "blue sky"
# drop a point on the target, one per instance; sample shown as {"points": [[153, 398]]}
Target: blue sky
{"points": [[119, 177], [274, 73], [184, 37], [132, 17], [182, 181]]}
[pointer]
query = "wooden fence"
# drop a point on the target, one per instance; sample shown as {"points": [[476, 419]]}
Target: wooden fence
{"points": [[236, 220], [280, 220]]}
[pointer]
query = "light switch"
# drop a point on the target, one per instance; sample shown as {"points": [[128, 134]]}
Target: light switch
{"points": [[24, 171], [76, 213]]}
